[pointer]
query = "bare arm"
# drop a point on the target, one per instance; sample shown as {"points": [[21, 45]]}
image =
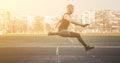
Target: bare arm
{"points": [[67, 17], [80, 24]]}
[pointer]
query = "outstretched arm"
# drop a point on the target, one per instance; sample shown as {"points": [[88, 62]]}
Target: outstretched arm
{"points": [[68, 18], [80, 24]]}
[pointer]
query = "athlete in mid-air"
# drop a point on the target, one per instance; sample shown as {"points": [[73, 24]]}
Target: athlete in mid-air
{"points": [[64, 24]]}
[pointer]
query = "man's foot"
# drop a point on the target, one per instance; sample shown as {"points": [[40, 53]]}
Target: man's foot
{"points": [[88, 48]]}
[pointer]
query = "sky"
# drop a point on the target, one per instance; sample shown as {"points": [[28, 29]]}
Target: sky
{"points": [[55, 7]]}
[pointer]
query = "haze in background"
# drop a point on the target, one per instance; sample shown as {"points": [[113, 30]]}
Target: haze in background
{"points": [[55, 7]]}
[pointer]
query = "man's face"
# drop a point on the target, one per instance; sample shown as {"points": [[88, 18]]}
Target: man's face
{"points": [[70, 9]]}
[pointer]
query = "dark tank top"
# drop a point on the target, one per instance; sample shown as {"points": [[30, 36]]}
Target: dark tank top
{"points": [[64, 24]]}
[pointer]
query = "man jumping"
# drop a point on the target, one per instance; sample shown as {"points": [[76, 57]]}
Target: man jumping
{"points": [[64, 24]]}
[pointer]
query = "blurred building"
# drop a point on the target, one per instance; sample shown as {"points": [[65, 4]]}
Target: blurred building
{"points": [[4, 21], [101, 21], [39, 24], [115, 20], [88, 17]]}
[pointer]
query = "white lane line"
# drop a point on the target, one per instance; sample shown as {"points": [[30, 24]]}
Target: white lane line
{"points": [[57, 51], [96, 59], [59, 46], [71, 40], [57, 54]]}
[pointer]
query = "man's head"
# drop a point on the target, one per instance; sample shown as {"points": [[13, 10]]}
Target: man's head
{"points": [[70, 8]]}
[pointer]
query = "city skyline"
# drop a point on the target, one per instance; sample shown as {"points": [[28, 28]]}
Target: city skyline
{"points": [[55, 7]]}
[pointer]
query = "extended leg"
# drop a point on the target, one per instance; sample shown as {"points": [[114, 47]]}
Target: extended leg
{"points": [[81, 40], [54, 33], [72, 34]]}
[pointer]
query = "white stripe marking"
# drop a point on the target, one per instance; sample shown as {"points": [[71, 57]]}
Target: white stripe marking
{"points": [[61, 46]]}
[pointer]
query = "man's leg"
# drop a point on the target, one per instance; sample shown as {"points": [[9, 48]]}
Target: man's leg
{"points": [[54, 33], [62, 33], [73, 34]]}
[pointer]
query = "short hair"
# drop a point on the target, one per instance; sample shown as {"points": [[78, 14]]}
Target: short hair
{"points": [[70, 5]]}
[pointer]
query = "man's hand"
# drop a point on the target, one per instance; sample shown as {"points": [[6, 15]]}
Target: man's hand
{"points": [[85, 25]]}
